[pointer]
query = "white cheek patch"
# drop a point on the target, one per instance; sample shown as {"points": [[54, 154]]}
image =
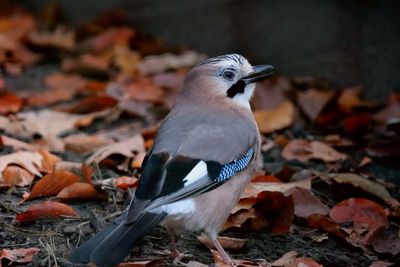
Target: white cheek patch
{"points": [[199, 171], [244, 99]]}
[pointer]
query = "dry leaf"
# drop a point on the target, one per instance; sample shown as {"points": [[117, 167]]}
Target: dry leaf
{"points": [[52, 183], [49, 160], [46, 210], [277, 119], [31, 161], [306, 203], [17, 176], [50, 97], [125, 147], [68, 82], [9, 103], [80, 191], [140, 90], [287, 260], [126, 60], [108, 38], [349, 99], [380, 264], [324, 223], [313, 101], [90, 104], [20, 255], [386, 240], [304, 150], [363, 183], [83, 143], [237, 219], [148, 263], [60, 38], [306, 262], [15, 143], [391, 114], [228, 243], [278, 187]]}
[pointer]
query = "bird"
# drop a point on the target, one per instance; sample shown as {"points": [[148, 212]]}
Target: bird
{"points": [[204, 153]]}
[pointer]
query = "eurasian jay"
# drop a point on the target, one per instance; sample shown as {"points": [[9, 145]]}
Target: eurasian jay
{"points": [[204, 154]]}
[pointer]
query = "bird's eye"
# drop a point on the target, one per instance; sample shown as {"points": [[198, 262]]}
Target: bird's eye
{"points": [[228, 75]]}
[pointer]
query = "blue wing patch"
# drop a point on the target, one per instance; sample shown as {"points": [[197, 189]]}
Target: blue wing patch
{"points": [[230, 169]]}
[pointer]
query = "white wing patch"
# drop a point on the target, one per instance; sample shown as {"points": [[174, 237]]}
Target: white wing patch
{"points": [[177, 208], [199, 171]]}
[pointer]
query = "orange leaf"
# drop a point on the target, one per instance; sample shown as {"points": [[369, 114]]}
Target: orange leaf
{"points": [[81, 191], [21, 255], [349, 99], [52, 183], [324, 223], [125, 182], [9, 103], [265, 179], [15, 175], [87, 173], [91, 104], [362, 212], [46, 209], [307, 262], [49, 160], [276, 119]]}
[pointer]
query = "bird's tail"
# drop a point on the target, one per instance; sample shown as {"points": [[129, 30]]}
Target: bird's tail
{"points": [[112, 244]]}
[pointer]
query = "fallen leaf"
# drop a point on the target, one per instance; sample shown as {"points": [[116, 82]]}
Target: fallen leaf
{"points": [[276, 119], [363, 183], [307, 262], [287, 260], [46, 210], [304, 150], [125, 182], [349, 99], [228, 243], [265, 179], [49, 160], [306, 203], [91, 104], [20, 255], [140, 90], [324, 223], [386, 240], [80, 191], [86, 64], [83, 143], [237, 219], [52, 183], [68, 82], [17, 176], [391, 114], [244, 204], [125, 148], [279, 187], [50, 97], [126, 60], [9, 103], [380, 264], [137, 162], [160, 63], [61, 37], [356, 123], [108, 38], [148, 263], [15, 143], [30, 161], [313, 101], [271, 93]]}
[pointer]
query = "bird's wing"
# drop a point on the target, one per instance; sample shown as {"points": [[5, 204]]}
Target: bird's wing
{"points": [[168, 178]]}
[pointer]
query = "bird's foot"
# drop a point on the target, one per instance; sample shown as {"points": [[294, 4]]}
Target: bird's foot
{"points": [[178, 256]]}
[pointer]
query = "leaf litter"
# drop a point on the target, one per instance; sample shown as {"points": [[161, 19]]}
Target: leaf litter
{"points": [[111, 85]]}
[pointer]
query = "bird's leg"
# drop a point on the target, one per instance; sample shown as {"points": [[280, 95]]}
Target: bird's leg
{"points": [[174, 252], [225, 257]]}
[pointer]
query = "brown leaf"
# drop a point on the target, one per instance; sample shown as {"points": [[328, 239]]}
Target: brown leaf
{"points": [[140, 90], [50, 97], [324, 223], [83, 143], [80, 191], [287, 260], [391, 114], [46, 210], [49, 160], [237, 219], [306, 203], [363, 183], [108, 38], [60, 38], [91, 104], [276, 119], [31, 161], [307, 262], [68, 82], [244, 204], [270, 93], [313, 101], [15, 143], [86, 64], [386, 240], [349, 99], [17, 176], [304, 150], [278, 187], [9, 103], [20, 255], [380, 264], [125, 148], [126, 60], [228, 243], [52, 183]]}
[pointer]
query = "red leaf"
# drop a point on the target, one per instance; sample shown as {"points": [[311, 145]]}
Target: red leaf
{"points": [[324, 223], [307, 262], [53, 182], [356, 123], [265, 179], [21, 255], [9, 103], [46, 209], [362, 212], [125, 182], [91, 104]]}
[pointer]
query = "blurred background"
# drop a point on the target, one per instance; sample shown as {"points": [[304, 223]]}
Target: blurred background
{"points": [[343, 42]]}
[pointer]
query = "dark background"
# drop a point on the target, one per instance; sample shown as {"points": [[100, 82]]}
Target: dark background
{"points": [[345, 42]]}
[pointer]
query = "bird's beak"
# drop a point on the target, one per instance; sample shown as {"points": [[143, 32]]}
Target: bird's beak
{"points": [[260, 73]]}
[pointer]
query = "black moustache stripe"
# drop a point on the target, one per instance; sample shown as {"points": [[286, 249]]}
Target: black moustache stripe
{"points": [[237, 88]]}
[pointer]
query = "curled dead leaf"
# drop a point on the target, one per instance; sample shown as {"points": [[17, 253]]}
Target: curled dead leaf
{"points": [[46, 210], [20, 255], [83, 143], [80, 191], [30, 161], [17, 176]]}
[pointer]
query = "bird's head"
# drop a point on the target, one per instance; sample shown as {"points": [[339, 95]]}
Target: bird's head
{"points": [[229, 76]]}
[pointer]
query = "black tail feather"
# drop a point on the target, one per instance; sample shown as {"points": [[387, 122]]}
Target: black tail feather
{"points": [[111, 245]]}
